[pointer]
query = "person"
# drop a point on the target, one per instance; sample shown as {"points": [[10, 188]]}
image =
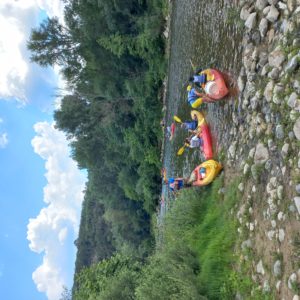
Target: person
{"points": [[195, 98], [194, 142], [191, 125], [202, 172], [199, 80], [175, 184]]}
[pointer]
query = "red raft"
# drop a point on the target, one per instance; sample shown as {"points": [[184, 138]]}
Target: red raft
{"points": [[204, 133], [215, 86]]}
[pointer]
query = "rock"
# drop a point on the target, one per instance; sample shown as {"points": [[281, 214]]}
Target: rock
{"points": [[292, 64], [298, 188], [280, 192], [262, 59], [261, 154], [296, 129], [273, 224], [278, 284], [251, 21], [232, 150], [246, 169], [291, 5], [297, 203], [280, 216], [277, 268], [259, 268], [251, 226], [282, 6], [268, 93], [279, 133], [276, 58], [266, 286], [273, 14], [292, 280], [281, 235], [292, 102], [244, 14], [241, 187], [263, 27], [271, 234], [273, 2], [274, 74], [266, 10], [277, 93], [246, 244], [241, 83], [285, 150], [292, 208], [261, 4]]}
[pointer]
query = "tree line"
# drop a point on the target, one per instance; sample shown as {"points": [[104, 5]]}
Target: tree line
{"points": [[112, 56]]}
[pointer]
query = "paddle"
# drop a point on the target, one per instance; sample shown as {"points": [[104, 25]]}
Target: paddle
{"points": [[181, 150], [177, 119]]}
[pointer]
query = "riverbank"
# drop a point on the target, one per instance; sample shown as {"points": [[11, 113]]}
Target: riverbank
{"points": [[256, 132]]}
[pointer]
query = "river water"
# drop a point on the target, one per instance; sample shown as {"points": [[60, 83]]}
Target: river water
{"points": [[203, 34]]}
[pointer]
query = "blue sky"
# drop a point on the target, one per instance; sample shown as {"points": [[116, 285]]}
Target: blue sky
{"points": [[40, 186]]}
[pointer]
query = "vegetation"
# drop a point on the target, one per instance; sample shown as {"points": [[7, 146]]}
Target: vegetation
{"points": [[183, 265]]}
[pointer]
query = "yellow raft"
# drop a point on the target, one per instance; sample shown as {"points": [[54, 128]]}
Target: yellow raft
{"points": [[212, 167]]}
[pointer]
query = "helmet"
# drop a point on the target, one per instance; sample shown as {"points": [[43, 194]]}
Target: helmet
{"points": [[189, 87]]}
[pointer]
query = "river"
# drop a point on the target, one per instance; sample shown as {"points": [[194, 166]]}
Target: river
{"points": [[203, 34]]}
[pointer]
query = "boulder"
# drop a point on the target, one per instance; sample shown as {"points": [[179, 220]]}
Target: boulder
{"points": [[268, 93], [259, 268], [251, 21], [263, 27], [276, 58], [277, 268], [261, 4], [261, 154], [296, 129], [273, 14]]}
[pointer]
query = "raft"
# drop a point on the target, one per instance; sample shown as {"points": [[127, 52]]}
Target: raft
{"points": [[212, 167], [204, 133], [215, 86], [173, 126]]}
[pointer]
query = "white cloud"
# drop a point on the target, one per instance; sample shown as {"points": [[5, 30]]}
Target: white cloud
{"points": [[3, 140], [58, 221], [16, 20]]}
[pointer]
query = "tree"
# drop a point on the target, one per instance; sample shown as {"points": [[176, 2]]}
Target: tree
{"points": [[52, 44], [66, 294]]}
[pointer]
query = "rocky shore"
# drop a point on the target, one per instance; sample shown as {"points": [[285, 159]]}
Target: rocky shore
{"points": [[265, 147]]}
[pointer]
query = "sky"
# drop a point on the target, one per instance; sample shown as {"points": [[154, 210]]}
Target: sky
{"points": [[41, 188]]}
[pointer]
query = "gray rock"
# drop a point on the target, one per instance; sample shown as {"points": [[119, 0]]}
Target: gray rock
{"points": [[254, 103], [280, 192], [244, 14], [246, 169], [285, 150], [246, 244], [273, 2], [276, 58], [266, 286], [261, 154], [232, 149], [274, 74], [265, 70], [278, 284], [259, 268], [268, 93], [297, 203], [261, 4], [241, 83], [292, 100], [277, 268], [282, 6], [263, 27], [298, 188], [271, 234], [292, 64], [268, 165], [273, 223], [292, 208], [291, 5], [241, 187], [273, 14], [296, 129], [266, 10], [296, 297], [279, 132], [251, 21], [281, 235], [292, 279], [263, 58]]}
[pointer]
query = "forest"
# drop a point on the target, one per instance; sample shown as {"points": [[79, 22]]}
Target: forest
{"points": [[112, 55]]}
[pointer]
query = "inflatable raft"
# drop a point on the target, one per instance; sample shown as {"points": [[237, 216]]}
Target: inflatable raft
{"points": [[212, 169], [215, 86], [204, 133]]}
